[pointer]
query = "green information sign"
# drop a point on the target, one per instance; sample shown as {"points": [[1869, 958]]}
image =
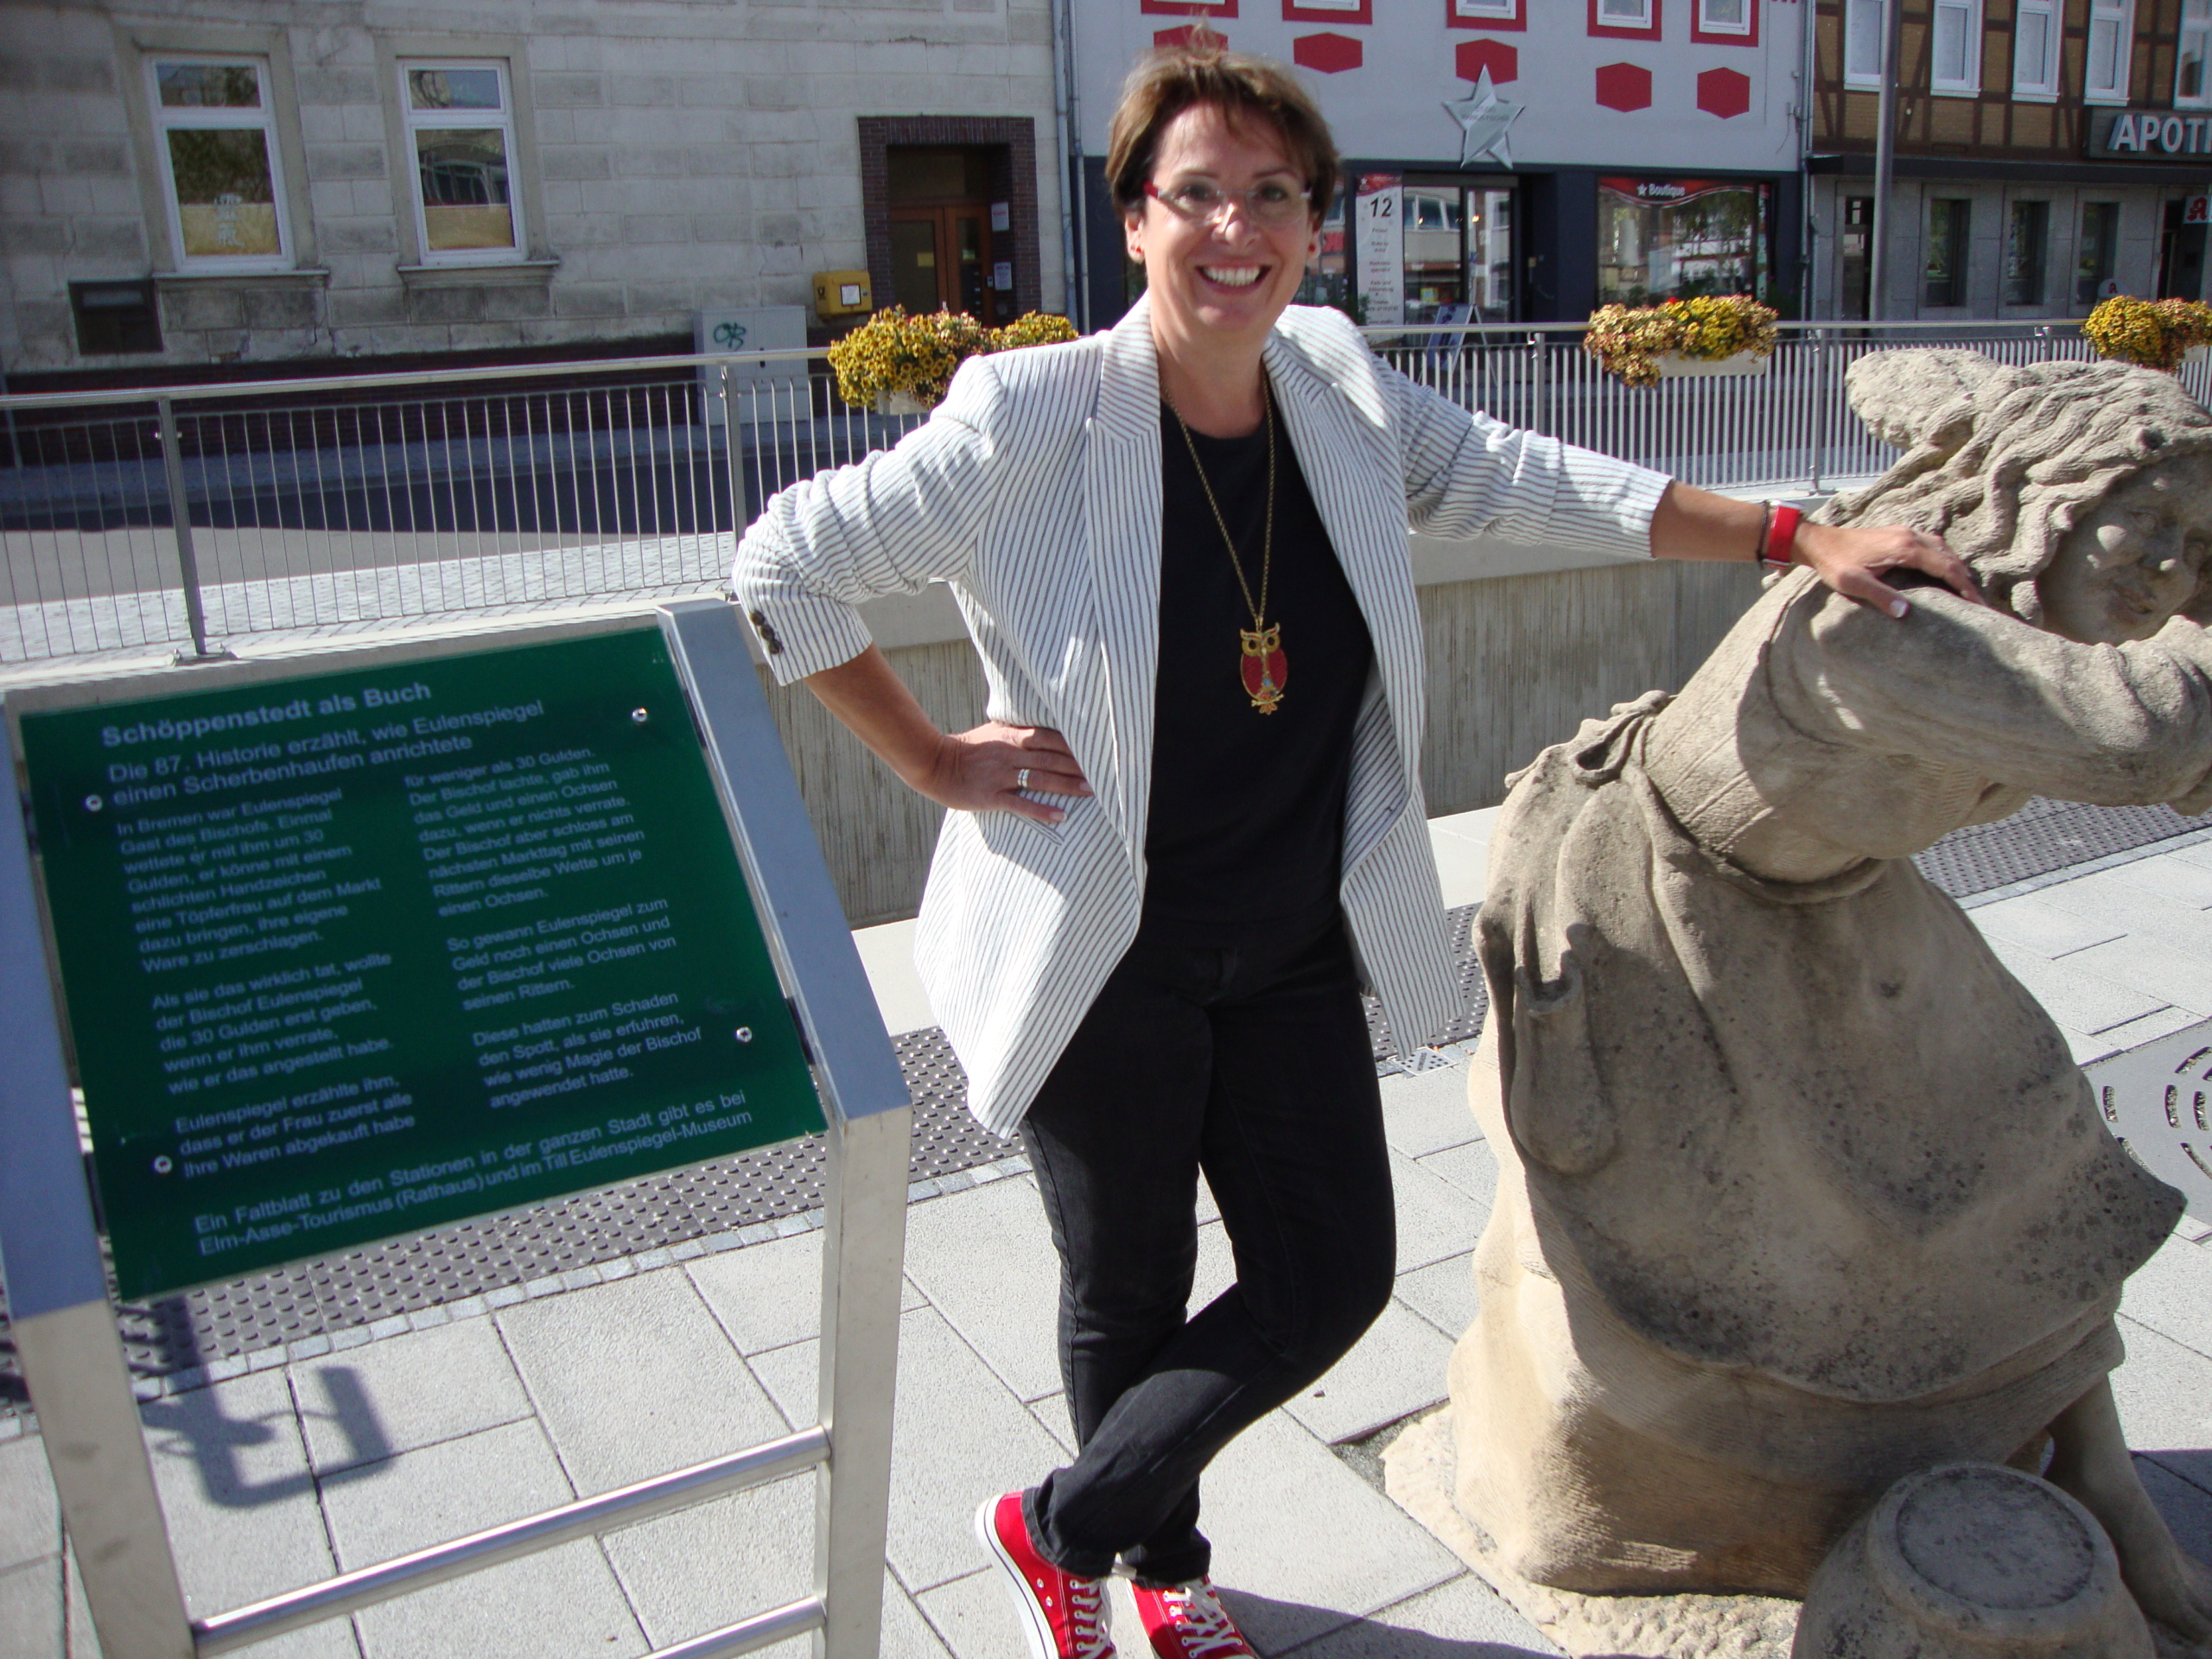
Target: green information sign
{"points": [[362, 952]]}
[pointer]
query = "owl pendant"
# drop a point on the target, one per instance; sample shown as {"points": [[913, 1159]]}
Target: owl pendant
{"points": [[1264, 669]]}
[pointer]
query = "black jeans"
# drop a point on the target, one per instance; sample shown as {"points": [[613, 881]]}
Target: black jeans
{"points": [[1248, 1059]]}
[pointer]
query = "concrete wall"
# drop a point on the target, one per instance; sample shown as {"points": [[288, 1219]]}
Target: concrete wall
{"points": [[1522, 647], [670, 157]]}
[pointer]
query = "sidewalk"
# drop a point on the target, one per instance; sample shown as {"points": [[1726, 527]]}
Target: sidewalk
{"points": [[329, 1456]]}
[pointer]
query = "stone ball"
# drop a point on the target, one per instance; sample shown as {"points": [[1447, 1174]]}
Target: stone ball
{"points": [[1972, 1561]]}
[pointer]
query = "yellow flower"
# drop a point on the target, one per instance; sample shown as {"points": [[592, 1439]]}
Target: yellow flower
{"points": [[2152, 333], [1629, 341], [892, 352]]}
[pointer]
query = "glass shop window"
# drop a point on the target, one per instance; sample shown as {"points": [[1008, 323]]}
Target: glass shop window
{"points": [[1955, 62], [222, 178], [1944, 279], [1458, 252], [1326, 281], [2112, 36], [2191, 89], [1855, 258], [2027, 237], [2097, 253], [1862, 43], [459, 123], [1677, 239], [2035, 49]]}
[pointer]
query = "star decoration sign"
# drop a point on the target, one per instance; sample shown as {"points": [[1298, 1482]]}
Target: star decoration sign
{"points": [[1485, 120]]}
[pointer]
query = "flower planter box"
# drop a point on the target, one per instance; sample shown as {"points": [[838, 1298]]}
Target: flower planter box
{"points": [[2196, 353], [1673, 366], [900, 403]]}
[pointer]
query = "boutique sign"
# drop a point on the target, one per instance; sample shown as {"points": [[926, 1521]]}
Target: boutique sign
{"points": [[2148, 135]]}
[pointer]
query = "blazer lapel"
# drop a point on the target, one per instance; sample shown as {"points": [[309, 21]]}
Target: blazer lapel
{"points": [[1334, 411], [1122, 500]]}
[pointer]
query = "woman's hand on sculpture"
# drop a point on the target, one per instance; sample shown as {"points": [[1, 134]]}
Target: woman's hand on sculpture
{"points": [[1853, 560], [998, 767]]}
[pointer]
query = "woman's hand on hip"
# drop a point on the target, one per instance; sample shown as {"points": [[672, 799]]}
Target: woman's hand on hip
{"points": [[998, 767], [1853, 560]]}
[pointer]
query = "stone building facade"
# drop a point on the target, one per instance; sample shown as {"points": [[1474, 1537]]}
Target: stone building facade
{"points": [[187, 190]]}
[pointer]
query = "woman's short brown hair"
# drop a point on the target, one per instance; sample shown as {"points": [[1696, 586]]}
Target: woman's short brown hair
{"points": [[1173, 79]]}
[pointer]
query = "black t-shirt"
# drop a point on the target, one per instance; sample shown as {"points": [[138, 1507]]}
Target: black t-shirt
{"points": [[1247, 809]]}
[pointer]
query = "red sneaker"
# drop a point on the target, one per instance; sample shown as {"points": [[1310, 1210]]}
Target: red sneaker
{"points": [[1063, 1616], [1187, 1621]]}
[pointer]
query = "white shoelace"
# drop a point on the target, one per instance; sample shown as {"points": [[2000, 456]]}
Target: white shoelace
{"points": [[1086, 1616], [1202, 1621]]}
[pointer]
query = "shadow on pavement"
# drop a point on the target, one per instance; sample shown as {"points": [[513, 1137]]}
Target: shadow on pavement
{"points": [[1278, 1629], [221, 1448]]}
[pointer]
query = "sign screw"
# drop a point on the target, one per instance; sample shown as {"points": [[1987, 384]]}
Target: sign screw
{"points": [[639, 716], [92, 803], [162, 1165], [744, 1034]]}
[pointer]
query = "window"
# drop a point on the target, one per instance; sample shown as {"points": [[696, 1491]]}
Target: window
{"points": [[220, 173], [2110, 51], [1862, 43], [2035, 49], [1945, 277], [1485, 14], [1328, 11], [2094, 256], [1955, 61], [1636, 19], [2190, 89], [2026, 242], [1732, 22], [459, 126], [1676, 239], [1854, 245], [115, 318]]}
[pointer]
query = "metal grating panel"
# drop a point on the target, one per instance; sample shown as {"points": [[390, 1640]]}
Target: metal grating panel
{"points": [[180, 1333]]}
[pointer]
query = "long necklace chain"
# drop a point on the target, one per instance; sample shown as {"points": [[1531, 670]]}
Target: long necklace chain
{"points": [[1258, 608]]}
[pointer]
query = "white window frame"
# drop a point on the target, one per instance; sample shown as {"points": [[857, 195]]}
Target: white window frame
{"points": [[2036, 80], [501, 120], [263, 120], [1707, 26], [1487, 11], [1643, 20], [2195, 25], [1969, 13], [2118, 17], [1862, 27]]}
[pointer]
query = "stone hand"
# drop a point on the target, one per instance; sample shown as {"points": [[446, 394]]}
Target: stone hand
{"points": [[983, 770], [1853, 560]]}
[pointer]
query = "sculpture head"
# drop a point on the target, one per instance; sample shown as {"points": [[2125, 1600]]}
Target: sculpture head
{"points": [[2080, 492]]}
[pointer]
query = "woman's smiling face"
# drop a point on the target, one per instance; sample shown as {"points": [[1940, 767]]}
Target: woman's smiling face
{"points": [[2134, 560], [1230, 277]]}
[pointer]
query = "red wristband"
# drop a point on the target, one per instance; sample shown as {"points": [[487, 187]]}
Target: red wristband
{"points": [[1779, 551]]}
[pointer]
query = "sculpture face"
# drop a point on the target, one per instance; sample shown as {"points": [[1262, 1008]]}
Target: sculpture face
{"points": [[2135, 559]]}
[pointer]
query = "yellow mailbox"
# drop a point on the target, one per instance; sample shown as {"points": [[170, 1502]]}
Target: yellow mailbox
{"points": [[841, 292]]}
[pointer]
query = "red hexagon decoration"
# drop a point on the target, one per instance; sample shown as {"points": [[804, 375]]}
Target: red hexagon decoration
{"points": [[1503, 62], [1623, 86], [1327, 52], [1182, 37], [1723, 92]]}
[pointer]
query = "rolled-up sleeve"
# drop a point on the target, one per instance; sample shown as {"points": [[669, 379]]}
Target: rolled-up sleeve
{"points": [[891, 524], [1468, 475]]}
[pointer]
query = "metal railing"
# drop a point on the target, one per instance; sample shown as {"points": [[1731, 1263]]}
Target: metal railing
{"points": [[183, 516]]}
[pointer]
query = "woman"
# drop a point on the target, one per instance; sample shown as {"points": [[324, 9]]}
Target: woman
{"points": [[1193, 821], [1802, 1192]]}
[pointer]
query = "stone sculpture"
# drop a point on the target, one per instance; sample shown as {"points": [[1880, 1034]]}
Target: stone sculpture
{"points": [[1801, 1192]]}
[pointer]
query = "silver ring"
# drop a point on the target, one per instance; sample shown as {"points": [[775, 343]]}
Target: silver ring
{"points": [[1021, 780]]}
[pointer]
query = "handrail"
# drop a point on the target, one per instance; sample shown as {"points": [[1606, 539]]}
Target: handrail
{"points": [[1503, 333]]}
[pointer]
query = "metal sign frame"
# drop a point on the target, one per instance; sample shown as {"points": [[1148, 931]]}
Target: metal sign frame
{"points": [[64, 1325]]}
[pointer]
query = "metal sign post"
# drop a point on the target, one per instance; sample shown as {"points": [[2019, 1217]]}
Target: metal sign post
{"points": [[222, 934]]}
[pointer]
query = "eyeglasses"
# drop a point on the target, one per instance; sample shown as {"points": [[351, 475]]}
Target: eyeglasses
{"points": [[1273, 204]]}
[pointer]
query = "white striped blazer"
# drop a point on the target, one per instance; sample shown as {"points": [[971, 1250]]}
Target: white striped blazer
{"points": [[1034, 492]]}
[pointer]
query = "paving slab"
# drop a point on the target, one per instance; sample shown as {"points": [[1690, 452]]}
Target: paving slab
{"points": [[635, 1378], [1463, 1619], [2132, 898], [1426, 1111], [769, 1295], [1295, 1527], [240, 1501], [1471, 1168], [1443, 1293], [975, 1616], [702, 1568], [958, 1436], [2176, 877], [2187, 1507], [2034, 922], [1052, 1412], [2173, 1294], [2133, 1033], [2080, 993], [2153, 968], [563, 1601], [1461, 864], [985, 1260], [1394, 1371], [31, 1623], [1436, 1219], [31, 1519], [405, 1392], [2165, 1404]]}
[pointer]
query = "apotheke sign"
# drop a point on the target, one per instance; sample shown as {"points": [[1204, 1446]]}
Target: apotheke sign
{"points": [[2148, 135]]}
